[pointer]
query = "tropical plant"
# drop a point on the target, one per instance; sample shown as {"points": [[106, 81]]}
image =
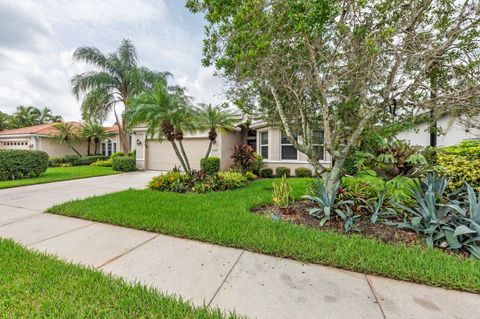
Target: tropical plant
{"points": [[45, 115], [66, 133], [116, 80], [243, 157], [5, 121], [93, 132], [165, 113], [282, 193], [327, 204], [28, 116], [214, 118]]}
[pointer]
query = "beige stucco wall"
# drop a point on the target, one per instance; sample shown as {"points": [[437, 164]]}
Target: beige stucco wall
{"points": [[227, 141], [21, 143], [54, 149]]}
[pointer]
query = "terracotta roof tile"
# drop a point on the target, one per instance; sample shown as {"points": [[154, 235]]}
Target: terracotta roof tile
{"points": [[41, 129]]}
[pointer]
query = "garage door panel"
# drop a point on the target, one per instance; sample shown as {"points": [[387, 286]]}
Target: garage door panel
{"points": [[161, 156]]}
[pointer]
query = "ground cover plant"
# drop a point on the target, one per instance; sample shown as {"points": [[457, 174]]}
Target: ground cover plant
{"points": [[56, 174], [35, 285], [226, 218]]}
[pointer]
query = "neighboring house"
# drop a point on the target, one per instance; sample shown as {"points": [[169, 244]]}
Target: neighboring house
{"points": [[37, 137], [452, 131], [268, 141]]}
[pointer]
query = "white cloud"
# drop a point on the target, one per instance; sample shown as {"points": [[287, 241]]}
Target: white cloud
{"points": [[38, 38]]}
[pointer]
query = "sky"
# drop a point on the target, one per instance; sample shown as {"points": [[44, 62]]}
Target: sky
{"points": [[38, 38]]}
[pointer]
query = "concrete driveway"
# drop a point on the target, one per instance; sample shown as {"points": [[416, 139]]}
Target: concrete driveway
{"points": [[231, 279]]}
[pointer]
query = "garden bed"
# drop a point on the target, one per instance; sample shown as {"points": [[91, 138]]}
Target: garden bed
{"points": [[298, 214]]}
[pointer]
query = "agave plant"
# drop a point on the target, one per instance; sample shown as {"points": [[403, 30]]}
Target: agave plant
{"points": [[327, 203], [377, 207]]}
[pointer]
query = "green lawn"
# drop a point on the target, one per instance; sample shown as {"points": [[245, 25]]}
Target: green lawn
{"points": [[56, 174], [33, 285], [224, 218]]}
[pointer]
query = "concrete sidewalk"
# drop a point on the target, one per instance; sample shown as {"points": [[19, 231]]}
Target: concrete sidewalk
{"points": [[254, 285]]}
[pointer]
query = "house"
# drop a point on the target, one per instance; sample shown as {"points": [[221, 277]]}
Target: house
{"points": [[268, 141], [452, 131], [37, 137]]}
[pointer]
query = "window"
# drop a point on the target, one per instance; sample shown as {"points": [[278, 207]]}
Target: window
{"points": [[318, 142], [114, 147], [288, 152], [264, 144], [104, 149], [252, 139]]}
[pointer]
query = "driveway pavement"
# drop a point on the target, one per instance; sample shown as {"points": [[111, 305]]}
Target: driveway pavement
{"points": [[252, 284]]}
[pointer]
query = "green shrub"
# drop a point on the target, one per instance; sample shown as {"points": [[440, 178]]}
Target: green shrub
{"points": [[459, 169], [250, 176], [124, 164], [303, 172], [210, 166], [55, 161], [71, 159], [282, 171], [243, 157], [171, 182], [229, 180], [16, 164], [257, 164], [468, 149], [266, 172], [117, 154], [101, 163]]}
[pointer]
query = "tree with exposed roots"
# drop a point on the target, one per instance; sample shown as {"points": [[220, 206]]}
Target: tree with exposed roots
{"points": [[343, 66]]}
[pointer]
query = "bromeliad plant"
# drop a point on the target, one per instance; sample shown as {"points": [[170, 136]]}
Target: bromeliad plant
{"points": [[327, 203], [282, 193]]}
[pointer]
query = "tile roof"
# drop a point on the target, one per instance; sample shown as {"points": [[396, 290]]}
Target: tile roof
{"points": [[41, 129], [112, 129]]}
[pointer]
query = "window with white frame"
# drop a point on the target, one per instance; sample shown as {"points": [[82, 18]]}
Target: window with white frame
{"points": [[287, 151], [318, 143], [264, 144]]}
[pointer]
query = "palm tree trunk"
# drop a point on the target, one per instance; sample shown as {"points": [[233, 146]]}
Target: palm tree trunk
{"points": [[209, 149], [122, 132], [177, 152], [95, 141], [73, 148], [89, 140], [185, 158]]}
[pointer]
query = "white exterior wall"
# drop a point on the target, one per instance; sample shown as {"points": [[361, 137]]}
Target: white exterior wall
{"points": [[453, 133]]}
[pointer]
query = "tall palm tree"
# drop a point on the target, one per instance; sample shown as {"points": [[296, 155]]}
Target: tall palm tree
{"points": [[93, 132], [214, 118], [25, 116], [66, 133], [164, 115], [117, 79], [45, 115]]}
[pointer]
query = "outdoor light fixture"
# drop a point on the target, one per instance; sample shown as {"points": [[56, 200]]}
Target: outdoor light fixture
{"points": [[139, 142]]}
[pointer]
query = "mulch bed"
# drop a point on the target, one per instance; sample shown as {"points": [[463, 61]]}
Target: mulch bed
{"points": [[298, 214]]}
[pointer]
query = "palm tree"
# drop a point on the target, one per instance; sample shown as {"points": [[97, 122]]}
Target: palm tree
{"points": [[164, 115], [25, 116], [66, 133], [93, 132], [214, 118], [45, 115], [116, 80], [4, 121]]}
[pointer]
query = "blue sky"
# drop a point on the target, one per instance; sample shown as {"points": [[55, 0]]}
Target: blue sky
{"points": [[37, 39]]}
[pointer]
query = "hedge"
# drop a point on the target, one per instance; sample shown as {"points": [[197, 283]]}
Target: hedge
{"points": [[75, 160], [17, 164], [266, 172], [210, 166], [303, 172], [124, 164], [281, 171]]}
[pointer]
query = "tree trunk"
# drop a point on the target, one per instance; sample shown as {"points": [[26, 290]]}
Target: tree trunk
{"points": [[89, 140], [73, 148], [122, 132], [209, 149], [185, 158], [96, 146], [177, 152]]}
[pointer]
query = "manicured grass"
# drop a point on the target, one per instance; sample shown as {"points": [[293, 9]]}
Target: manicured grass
{"points": [[224, 218], [33, 285], [56, 174]]}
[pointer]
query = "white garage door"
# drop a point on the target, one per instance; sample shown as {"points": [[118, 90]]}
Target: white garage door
{"points": [[161, 156]]}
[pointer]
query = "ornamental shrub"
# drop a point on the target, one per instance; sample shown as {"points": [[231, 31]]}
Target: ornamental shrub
{"points": [[55, 161], [266, 172], [210, 166], [243, 157], [17, 164], [459, 169], [257, 164], [71, 159], [229, 180], [171, 182], [468, 149], [124, 164], [250, 176], [282, 171], [303, 172], [101, 163]]}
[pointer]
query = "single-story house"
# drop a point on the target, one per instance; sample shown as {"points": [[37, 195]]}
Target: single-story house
{"points": [[452, 131], [37, 137], [268, 141]]}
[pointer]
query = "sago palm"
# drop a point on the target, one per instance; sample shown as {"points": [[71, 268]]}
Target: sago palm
{"points": [[66, 134], [160, 110], [117, 78], [214, 118], [93, 132]]}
